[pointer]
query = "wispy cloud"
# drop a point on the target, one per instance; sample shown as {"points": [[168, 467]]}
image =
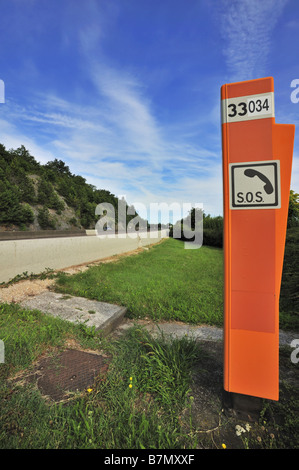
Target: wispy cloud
{"points": [[247, 27], [111, 132], [130, 111], [12, 137], [117, 143]]}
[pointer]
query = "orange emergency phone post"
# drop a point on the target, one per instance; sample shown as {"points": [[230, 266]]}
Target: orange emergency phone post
{"points": [[257, 163]]}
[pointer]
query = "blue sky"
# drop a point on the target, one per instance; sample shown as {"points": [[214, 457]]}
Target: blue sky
{"points": [[127, 92]]}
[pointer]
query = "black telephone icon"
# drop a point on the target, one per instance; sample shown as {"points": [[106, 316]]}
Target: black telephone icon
{"points": [[268, 186]]}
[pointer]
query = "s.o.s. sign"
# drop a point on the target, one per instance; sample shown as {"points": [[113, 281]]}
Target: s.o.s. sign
{"points": [[255, 185]]}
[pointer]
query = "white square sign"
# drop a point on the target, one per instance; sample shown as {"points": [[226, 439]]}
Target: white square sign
{"points": [[255, 185]]}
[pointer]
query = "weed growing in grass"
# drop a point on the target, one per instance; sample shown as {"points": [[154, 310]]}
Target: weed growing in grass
{"points": [[48, 273], [145, 391], [161, 367]]}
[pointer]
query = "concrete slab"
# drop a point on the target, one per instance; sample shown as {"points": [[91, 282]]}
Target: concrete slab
{"points": [[173, 330], [101, 315], [178, 330]]}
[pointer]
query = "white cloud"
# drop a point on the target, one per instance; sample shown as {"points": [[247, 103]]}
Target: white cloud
{"points": [[12, 138], [129, 111], [116, 142], [295, 173], [118, 146], [247, 28]]}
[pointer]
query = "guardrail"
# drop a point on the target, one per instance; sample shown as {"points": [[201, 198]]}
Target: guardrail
{"points": [[38, 254], [13, 235]]}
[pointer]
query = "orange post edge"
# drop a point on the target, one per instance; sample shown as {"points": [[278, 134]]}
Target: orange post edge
{"points": [[257, 163]]}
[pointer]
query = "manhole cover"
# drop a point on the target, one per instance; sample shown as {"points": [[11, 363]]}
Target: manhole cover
{"points": [[58, 377]]}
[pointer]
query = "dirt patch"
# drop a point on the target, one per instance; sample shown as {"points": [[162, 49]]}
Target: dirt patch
{"points": [[23, 289], [215, 419]]}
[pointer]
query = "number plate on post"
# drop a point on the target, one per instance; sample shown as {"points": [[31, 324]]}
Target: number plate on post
{"points": [[248, 107]]}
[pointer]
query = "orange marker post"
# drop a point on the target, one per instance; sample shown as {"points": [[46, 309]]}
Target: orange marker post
{"points": [[257, 162]]}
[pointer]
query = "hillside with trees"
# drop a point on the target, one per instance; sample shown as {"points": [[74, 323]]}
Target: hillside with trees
{"points": [[42, 197]]}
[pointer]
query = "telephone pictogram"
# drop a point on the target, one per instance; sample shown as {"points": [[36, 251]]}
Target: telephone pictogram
{"points": [[268, 186]]}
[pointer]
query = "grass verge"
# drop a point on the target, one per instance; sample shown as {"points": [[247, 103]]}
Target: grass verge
{"points": [[147, 399], [171, 283], [138, 404], [156, 395], [166, 282]]}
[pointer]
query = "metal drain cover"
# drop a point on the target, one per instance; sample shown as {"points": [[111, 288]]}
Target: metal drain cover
{"points": [[58, 377]]}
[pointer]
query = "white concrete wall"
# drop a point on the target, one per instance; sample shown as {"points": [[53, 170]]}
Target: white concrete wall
{"points": [[35, 256]]}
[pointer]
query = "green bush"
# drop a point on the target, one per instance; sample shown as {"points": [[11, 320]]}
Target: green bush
{"points": [[45, 220], [213, 237], [27, 191], [27, 214], [48, 197], [11, 210], [289, 297]]}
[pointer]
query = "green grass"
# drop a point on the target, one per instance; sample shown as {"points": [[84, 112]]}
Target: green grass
{"points": [[28, 333], [154, 413], [167, 282], [111, 416]]}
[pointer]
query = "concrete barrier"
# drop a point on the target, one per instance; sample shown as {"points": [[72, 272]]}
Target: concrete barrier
{"points": [[41, 234], [35, 256]]}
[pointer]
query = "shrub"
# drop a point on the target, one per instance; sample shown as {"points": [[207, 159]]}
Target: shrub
{"points": [[213, 237], [27, 214], [45, 220]]}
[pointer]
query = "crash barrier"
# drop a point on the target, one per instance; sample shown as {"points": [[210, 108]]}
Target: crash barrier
{"points": [[24, 235], [35, 256]]}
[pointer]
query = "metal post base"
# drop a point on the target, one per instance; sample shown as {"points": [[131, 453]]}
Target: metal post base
{"points": [[244, 407]]}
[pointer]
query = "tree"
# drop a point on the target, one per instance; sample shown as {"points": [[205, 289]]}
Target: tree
{"points": [[45, 220], [293, 214], [47, 196], [11, 211], [45, 191], [27, 214], [27, 191], [59, 166], [26, 160]]}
